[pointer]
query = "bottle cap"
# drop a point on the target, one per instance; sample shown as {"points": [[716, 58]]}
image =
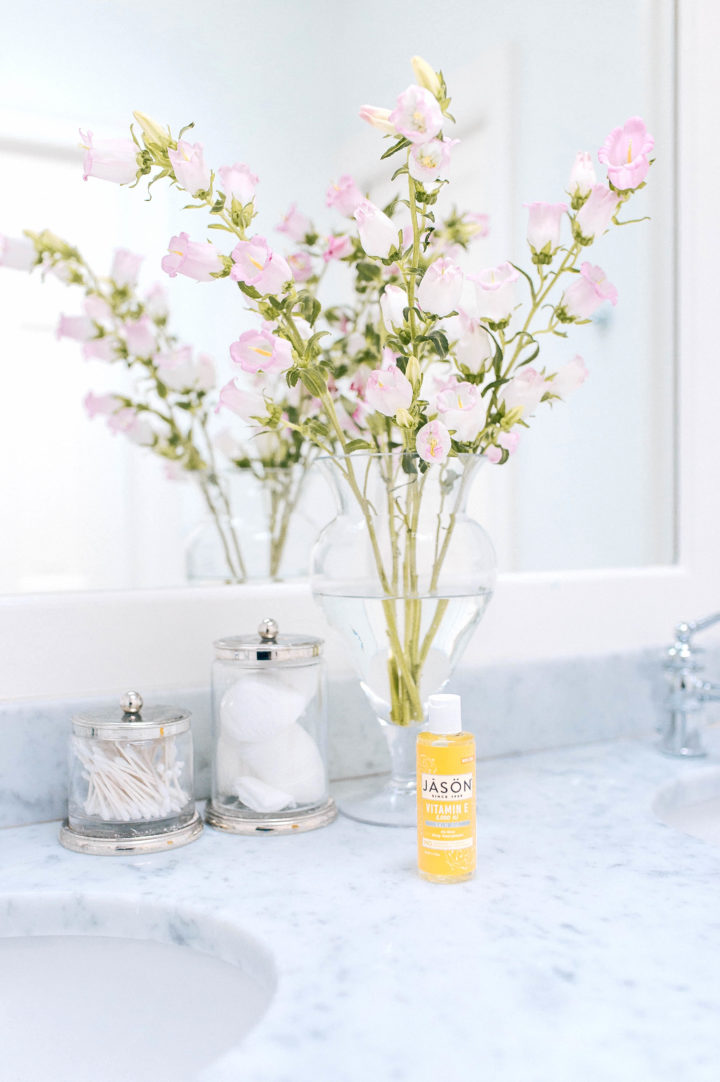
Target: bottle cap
{"points": [[444, 714]]}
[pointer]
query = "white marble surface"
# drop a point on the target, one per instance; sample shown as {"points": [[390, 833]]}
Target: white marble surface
{"points": [[587, 949]]}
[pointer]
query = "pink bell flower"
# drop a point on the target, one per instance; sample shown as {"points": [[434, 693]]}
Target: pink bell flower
{"points": [[626, 152], [18, 253], [227, 444], [430, 161], [393, 302], [97, 309], [81, 328], [301, 266], [475, 346], [345, 196], [140, 336], [337, 248], [417, 115], [524, 391], [189, 168], [204, 373], [495, 292], [257, 265], [377, 118], [180, 372], [582, 176], [238, 182], [241, 400], [587, 292], [493, 455], [156, 303], [101, 404], [441, 288], [433, 442], [509, 441], [295, 225], [387, 390], [136, 427], [109, 159], [261, 351], [545, 225], [597, 211], [378, 233], [100, 349], [462, 410], [568, 378], [125, 267], [477, 224], [194, 259]]}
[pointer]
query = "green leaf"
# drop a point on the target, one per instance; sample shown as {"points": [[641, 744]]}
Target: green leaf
{"points": [[358, 445], [529, 280], [400, 145], [249, 291], [439, 342], [368, 272], [495, 385], [309, 307], [533, 355], [409, 464], [314, 381]]}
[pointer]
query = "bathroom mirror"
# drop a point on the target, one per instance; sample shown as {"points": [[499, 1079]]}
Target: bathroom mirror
{"points": [[278, 86]]}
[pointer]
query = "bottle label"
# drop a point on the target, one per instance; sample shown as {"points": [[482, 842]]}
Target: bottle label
{"points": [[450, 787], [446, 808]]}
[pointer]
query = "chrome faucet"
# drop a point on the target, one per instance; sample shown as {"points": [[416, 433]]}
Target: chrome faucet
{"points": [[687, 691]]}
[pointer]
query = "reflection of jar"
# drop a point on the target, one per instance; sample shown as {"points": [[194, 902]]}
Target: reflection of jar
{"points": [[131, 780], [269, 734]]}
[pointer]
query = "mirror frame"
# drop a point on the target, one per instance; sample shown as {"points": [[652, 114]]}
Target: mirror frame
{"points": [[89, 643]]}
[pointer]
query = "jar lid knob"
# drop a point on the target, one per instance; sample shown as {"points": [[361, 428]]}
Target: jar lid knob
{"points": [[268, 630], [132, 702]]}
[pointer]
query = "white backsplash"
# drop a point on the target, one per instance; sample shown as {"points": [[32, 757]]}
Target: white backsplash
{"points": [[511, 709]]}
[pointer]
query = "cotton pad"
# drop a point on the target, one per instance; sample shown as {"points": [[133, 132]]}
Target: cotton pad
{"points": [[291, 762], [258, 707], [259, 796]]}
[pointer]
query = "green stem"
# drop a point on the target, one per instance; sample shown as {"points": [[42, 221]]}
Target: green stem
{"points": [[223, 497], [223, 540]]}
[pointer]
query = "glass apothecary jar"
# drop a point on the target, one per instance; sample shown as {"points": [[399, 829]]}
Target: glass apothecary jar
{"points": [[269, 734], [131, 780]]}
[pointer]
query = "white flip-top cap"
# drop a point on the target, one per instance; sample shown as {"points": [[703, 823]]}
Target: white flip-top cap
{"points": [[444, 714]]}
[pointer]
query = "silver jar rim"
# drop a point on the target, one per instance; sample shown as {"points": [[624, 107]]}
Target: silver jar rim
{"points": [[136, 722], [267, 645]]}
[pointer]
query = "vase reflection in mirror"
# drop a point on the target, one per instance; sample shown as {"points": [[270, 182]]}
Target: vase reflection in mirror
{"points": [[405, 576], [260, 524]]}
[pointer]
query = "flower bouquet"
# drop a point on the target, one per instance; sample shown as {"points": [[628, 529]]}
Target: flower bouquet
{"points": [[169, 411], [424, 373]]}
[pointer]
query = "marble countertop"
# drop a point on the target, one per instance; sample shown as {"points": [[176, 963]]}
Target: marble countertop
{"points": [[587, 948]]}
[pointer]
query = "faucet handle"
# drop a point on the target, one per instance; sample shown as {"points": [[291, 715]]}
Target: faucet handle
{"points": [[685, 631], [686, 691]]}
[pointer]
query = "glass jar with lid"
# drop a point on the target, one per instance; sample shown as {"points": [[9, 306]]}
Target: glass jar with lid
{"points": [[269, 734], [131, 780]]}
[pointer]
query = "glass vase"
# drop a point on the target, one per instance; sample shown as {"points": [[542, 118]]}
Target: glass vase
{"points": [[404, 575], [258, 526]]}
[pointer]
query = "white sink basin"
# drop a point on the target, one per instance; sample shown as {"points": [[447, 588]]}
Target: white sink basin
{"points": [[692, 804], [83, 1008]]}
